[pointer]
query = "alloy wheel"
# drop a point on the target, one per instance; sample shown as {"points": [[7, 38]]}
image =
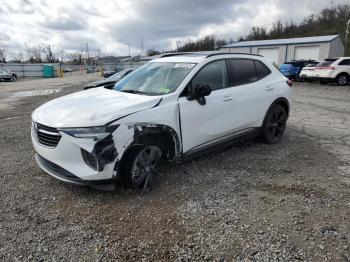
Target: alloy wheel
{"points": [[144, 168], [277, 124], [342, 80]]}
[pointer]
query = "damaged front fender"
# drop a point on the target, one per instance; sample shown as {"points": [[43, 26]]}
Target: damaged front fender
{"points": [[109, 151]]}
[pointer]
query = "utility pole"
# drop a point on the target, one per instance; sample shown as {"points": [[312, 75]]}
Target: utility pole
{"points": [[347, 34], [141, 51], [87, 50]]}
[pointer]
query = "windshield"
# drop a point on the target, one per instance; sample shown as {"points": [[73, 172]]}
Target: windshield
{"points": [[118, 75], [155, 78]]}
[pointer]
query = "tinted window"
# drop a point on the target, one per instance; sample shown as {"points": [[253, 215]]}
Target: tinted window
{"points": [[345, 62], [261, 69], [242, 71], [213, 74]]}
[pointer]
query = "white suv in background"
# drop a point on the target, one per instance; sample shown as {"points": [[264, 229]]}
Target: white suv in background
{"points": [[170, 109], [334, 70]]}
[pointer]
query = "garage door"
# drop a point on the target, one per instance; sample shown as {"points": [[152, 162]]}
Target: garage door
{"points": [[270, 53], [307, 52]]}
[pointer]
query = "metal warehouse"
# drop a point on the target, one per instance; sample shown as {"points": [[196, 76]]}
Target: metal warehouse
{"points": [[282, 50]]}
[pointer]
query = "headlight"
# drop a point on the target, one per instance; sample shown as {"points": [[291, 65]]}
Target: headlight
{"points": [[96, 133]]}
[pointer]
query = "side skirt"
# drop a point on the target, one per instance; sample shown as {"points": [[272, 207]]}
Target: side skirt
{"points": [[225, 141]]}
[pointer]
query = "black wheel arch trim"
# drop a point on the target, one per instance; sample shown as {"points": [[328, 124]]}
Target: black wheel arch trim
{"points": [[343, 73], [278, 101]]}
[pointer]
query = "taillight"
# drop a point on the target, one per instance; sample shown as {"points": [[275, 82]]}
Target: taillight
{"points": [[326, 67], [289, 82]]}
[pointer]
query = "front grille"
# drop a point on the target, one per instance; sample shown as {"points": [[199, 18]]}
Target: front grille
{"points": [[47, 136]]}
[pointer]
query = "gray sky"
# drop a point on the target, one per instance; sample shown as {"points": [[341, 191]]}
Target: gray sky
{"points": [[112, 25]]}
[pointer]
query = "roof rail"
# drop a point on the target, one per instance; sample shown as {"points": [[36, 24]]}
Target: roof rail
{"points": [[226, 53], [175, 54]]}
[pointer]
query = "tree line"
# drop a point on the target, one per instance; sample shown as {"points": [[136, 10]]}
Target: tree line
{"points": [[330, 21], [33, 54]]}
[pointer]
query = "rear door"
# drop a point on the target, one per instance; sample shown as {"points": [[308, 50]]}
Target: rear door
{"points": [[253, 92], [202, 124], [344, 66]]}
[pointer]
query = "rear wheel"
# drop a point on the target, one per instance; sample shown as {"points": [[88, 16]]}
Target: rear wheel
{"points": [[275, 124], [139, 167], [13, 78], [342, 80]]}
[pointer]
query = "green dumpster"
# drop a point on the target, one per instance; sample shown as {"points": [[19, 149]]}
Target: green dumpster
{"points": [[48, 71]]}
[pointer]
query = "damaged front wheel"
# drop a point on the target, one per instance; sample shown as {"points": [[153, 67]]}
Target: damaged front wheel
{"points": [[140, 167]]}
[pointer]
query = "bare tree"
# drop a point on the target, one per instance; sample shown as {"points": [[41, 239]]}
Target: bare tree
{"points": [[35, 54], [75, 58], [151, 52], [3, 55], [50, 56], [18, 56]]}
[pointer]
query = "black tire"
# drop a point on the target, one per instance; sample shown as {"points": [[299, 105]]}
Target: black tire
{"points": [[274, 124], [136, 170], [342, 79]]}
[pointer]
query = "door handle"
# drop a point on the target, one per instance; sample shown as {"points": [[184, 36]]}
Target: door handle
{"points": [[227, 98], [269, 88]]}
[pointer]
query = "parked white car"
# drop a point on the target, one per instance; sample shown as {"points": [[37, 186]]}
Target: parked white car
{"points": [[170, 109], [334, 70]]}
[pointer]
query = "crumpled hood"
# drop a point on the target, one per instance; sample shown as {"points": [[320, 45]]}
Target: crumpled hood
{"points": [[93, 107]]}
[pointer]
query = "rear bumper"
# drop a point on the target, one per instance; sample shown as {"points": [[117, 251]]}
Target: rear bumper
{"points": [[326, 79], [65, 176], [307, 77]]}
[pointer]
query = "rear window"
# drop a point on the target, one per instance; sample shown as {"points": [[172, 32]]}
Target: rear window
{"points": [[311, 65], [261, 69], [325, 63], [242, 71]]}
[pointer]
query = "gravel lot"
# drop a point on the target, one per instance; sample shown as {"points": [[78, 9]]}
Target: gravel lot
{"points": [[252, 201]]}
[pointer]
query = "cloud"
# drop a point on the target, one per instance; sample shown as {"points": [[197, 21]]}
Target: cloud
{"points": [[112, 25], [65, 24], [157, 21]]}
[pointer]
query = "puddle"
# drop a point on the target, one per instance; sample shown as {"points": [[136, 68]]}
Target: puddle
{"points": [[41, 92]]}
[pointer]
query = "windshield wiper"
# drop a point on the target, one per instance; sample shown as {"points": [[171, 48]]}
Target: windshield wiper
{"points": [[133, 91]]}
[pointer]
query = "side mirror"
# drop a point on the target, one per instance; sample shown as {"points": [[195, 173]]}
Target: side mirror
{"points": [[198, 92]]}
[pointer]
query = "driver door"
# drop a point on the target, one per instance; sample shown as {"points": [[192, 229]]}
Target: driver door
{"points": [[202, 124]]}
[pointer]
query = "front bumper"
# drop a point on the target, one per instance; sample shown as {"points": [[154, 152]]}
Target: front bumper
{"points": [[65, 176], [65, 161], [5, 78]]}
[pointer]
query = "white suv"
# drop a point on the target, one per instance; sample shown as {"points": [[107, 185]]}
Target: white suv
{"points": [[334, 70], [170, 109]]}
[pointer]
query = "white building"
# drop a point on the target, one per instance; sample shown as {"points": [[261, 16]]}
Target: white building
{"points": [[282, 50]]}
